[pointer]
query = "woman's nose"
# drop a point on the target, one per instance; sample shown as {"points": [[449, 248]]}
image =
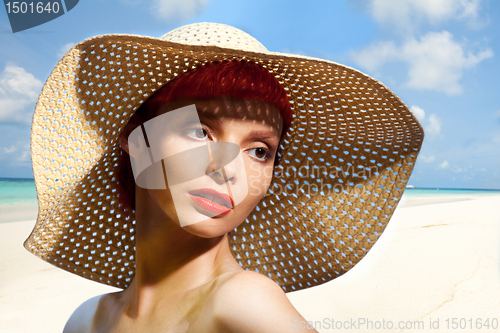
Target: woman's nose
{"points": [[222, 166]]}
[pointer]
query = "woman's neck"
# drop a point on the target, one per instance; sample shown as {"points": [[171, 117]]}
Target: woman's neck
{"points": [[171, 261]]}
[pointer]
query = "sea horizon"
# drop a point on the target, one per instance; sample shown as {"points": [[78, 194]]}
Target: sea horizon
{"points": [[18, 199], [18, 191]]}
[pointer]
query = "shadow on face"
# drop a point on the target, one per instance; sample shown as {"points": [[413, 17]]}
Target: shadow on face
{"points": [[205, 164]]}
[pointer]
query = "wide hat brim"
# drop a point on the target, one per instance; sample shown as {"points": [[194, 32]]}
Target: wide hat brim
{"points": [[343, 167]]}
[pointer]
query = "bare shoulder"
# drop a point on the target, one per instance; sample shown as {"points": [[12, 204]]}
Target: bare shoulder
{"points": [[251, 285], [82, 318], [246, 296]]}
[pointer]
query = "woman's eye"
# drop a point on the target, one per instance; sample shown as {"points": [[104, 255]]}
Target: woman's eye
{"points": [[260, 154], [198, 133]]}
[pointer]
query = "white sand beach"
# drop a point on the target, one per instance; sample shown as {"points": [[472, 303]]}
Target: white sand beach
{"points": [[17, 213], [436, 261]]}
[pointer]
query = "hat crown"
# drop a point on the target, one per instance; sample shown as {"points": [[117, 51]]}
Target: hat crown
{"points": [[214, 34]]}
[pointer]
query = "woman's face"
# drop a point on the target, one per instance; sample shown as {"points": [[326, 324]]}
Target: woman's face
{"points": [[216, 160]]}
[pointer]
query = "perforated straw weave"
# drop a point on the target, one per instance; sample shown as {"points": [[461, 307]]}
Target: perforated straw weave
{"points": [[343, 165]]}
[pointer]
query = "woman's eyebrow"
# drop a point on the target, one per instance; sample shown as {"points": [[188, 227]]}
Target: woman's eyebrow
{"points": [[263, 134], [214, 118]]}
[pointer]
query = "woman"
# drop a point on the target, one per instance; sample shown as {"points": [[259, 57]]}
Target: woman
{"points": [[340, 172], [186, 278]]}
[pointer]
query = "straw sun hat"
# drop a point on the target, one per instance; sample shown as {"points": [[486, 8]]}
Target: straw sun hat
{"points": [[343, 164]]}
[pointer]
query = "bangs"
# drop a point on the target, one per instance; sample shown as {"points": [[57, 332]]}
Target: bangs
{"points": [[239, 79]]}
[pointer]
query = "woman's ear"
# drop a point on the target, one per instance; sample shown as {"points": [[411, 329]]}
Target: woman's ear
{"points": [[123, 141]]}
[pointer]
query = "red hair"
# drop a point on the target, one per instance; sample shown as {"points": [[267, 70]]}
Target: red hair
{"points": [[239, 79]]}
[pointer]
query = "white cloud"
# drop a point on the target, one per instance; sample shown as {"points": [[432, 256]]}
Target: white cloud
{"points": [[444, 165], [10, 149], [17, 154], [65, 48], [177, 9], [431, 124], [24, 157], [406, 15], [376, 55], [434, 125], [427, 159], [435, 61], [18, 89], [418, 111]]}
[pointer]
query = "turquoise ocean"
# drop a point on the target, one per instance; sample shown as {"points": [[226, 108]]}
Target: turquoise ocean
{"points": [[17, 200], [447, 191], [21, 193], [16, 191]]}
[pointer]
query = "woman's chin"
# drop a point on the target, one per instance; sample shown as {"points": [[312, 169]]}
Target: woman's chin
{"points": [[207, 224], [208, 228]]}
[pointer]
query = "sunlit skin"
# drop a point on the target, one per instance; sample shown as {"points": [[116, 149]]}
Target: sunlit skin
{"points": [[186, 279]]}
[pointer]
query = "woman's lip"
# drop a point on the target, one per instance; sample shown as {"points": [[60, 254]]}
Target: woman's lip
{"points": [[210, 192], [205, 198]]}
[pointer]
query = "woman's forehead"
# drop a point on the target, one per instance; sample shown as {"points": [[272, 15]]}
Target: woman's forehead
{"points": [[218, 108]]}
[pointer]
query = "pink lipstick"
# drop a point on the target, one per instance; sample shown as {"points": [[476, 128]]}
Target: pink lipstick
{"points": [[212, 201]]}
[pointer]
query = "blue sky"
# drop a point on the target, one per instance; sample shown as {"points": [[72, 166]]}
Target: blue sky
{"points": [[439, 56]]}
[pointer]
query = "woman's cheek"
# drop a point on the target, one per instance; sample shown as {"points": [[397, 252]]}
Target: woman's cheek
{"points": [[256, 188], [268, 172], [259, 179]]}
